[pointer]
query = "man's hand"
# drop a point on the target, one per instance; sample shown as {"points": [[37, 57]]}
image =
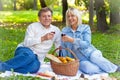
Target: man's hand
{"points": [[47, 36]]}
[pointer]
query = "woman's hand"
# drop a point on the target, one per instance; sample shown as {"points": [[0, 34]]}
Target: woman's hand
{"points": [[66, 38]]}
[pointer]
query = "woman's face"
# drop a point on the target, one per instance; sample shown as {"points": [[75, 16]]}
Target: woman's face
{"points": [[72, 19]]}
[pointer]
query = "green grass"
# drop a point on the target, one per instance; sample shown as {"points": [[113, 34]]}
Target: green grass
{"points": [[23, 16], [18, 16], [108, 43], [20, 77], [13, 29], [8, 40]]}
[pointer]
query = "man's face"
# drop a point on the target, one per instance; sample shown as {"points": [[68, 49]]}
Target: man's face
{"points": [[46, 18]]}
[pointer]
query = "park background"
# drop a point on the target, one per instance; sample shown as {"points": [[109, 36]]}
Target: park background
{"points": [[103, 16]]}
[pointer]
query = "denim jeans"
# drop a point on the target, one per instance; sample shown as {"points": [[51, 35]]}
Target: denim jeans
{"points": [[97, 64], [24, 61]]}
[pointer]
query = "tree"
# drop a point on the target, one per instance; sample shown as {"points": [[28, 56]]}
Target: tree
{"points": [[114, 12], [64, 9], [14, 5], [91, 12], [1, 6], [43, 4], [35, 4], [101, 16]]}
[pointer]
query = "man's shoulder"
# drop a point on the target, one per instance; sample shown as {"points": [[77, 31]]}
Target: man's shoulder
{"points": [[35, 23]]}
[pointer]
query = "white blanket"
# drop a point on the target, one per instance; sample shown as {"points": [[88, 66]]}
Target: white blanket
{"points": [[46, 67]]}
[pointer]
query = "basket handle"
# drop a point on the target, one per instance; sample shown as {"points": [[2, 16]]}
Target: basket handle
{"points": [[60, 48]]}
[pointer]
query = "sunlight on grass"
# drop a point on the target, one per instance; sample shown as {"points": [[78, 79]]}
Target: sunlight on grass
{"points": [[5, 13], [24, 16], [18, 16]]}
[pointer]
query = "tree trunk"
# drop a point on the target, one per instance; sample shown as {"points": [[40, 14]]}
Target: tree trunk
{"points": [[1, 6], [101, 16], [114, 12], [35, 4], [43, 4], [64, 9], [91, 12], [15, 5]]}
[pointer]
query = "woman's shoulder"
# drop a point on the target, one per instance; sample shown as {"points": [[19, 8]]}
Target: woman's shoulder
{"points": [[83, 28], [84, 25], [66, 28]]}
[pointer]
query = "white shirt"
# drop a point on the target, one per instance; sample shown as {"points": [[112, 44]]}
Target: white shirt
{"points": [[33, 36]]}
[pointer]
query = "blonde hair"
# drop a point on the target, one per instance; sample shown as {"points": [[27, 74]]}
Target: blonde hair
{"points": [[75, 12]]}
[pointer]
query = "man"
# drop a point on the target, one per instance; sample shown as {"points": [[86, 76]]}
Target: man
{"points": [[39, 38]]}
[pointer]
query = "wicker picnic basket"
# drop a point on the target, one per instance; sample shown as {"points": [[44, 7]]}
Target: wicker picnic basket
{"points": [[67, 69]]}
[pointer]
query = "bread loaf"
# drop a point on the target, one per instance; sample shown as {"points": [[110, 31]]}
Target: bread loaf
{"points": [[52, 57]]}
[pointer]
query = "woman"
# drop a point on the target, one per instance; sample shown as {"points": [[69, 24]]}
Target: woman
{"points": [[77, 37]]}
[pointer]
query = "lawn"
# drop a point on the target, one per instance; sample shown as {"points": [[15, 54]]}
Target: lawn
{"points": [[13, 28]]}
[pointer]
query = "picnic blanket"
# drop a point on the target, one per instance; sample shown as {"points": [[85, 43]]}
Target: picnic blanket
{"points": [[47, 67]]}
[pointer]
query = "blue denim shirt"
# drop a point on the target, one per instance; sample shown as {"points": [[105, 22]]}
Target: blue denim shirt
{"points": [[81, 46]]}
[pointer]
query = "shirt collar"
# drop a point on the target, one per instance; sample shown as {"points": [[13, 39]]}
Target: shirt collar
{"points": [[78, 29], [44, 27]]}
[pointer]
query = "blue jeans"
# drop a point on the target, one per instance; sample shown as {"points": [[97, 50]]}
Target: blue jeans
{"points": [[24, 61], [97, 64]]}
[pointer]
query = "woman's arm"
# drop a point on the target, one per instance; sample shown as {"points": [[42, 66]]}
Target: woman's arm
{"points": [[85, 41]]}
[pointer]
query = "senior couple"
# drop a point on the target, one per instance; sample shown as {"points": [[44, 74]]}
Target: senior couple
{"points": [[40, 36]]}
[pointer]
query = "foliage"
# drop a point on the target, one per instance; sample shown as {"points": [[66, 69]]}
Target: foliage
{"points": [[114, 5], [7, 4], [50, 3], [27, 6], [24, 4], [20, 4], [25, 16], [57, 14], [82, 3]]}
